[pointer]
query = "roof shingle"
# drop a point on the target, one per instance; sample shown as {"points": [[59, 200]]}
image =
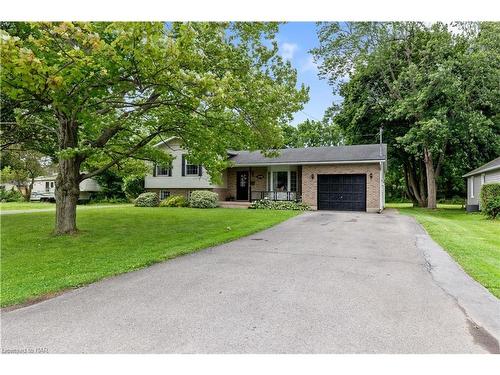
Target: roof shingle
{"points": [[355, 153]]}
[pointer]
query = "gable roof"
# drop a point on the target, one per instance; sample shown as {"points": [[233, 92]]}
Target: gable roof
{"points": [[313, 155], [494, 164]]}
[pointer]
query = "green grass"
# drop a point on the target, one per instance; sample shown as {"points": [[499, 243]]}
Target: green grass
{"points": [[471, 239], [111, 241], [9, 206]]}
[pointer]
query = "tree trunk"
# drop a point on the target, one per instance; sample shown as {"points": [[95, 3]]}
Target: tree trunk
{"points": [[67, 182], [422, 183], [417, 193], [431, 179], [67, 193], [409, 190], [29, 189]]}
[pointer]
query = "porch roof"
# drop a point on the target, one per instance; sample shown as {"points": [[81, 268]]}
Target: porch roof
{"points": [[313, 155]]}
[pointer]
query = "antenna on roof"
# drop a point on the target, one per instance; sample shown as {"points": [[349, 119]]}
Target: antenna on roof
{"points": [[380, 141]]}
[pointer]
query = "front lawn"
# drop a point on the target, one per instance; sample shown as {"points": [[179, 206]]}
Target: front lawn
{"points": [[471, 239], [11, 206], [112, 241]]}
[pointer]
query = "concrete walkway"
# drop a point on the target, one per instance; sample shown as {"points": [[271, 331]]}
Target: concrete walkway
{"points": [[323, 282]]}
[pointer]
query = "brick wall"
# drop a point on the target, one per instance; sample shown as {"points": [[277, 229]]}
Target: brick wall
{"points": [[309, 186], [256, 184], [185, 192]]}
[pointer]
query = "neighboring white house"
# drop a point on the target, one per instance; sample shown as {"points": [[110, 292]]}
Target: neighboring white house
{"points": [[485, 174], [44, 188]]}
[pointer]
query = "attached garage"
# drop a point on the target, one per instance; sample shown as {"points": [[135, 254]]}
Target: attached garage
{"points": [[343, 192]]}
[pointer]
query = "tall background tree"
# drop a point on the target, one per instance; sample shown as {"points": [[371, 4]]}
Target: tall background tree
{"points": [[312, 133], [433, 88], [93, 94], [21, 167]]}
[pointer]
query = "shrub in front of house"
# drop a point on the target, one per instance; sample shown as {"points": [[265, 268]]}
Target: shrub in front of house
{"points": [[266, 204], [147, 200], [174, 201], [203, 199], [490, 200]]}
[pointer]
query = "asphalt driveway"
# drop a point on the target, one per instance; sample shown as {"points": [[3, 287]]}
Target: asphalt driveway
{"points": [[323, 282]]}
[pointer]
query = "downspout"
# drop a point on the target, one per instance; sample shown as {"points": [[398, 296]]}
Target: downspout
{"points": [[381, 196]]}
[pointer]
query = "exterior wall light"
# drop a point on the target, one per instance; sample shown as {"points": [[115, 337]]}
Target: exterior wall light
{"points": [[371, 175], [312, 176]]}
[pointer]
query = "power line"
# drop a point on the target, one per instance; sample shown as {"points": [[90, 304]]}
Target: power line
{"points": [[309, 115]]}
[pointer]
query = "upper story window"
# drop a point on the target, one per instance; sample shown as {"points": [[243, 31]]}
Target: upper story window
{"points": [[191, 169], [163, 170]]}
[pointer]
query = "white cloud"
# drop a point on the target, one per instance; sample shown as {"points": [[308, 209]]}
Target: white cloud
{"points": [[310, 65], [288, 50]]}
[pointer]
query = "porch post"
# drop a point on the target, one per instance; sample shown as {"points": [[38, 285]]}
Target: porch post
{"points": [[250, 184], [271, 184]]}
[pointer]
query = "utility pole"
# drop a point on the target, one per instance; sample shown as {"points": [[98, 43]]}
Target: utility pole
{"points": [[380, 141]]}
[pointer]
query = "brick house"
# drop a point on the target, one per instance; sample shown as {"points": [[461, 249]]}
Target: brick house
{"points": [[325, 178]]}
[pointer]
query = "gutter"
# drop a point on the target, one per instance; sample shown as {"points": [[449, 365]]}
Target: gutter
{"points": [[381, 193], [265, 164], [481, 171]]}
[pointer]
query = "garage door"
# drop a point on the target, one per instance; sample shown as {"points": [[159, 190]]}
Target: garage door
{"points": [[345, 192]]}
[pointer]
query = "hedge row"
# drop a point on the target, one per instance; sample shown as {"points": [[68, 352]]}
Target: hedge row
{"points": [[198, 199]]}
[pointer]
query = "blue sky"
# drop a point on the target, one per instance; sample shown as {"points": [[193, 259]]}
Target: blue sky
{"points": [[295, 39]]}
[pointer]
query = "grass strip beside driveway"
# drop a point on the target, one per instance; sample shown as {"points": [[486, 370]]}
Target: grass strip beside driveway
{"points": [[471, 239], [111, 241]]}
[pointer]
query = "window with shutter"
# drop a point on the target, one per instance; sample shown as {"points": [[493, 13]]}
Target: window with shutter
{"points": [[163, 171], [191, 169]]}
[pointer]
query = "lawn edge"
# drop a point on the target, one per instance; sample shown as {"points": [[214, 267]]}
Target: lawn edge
{"points": [[30, 301], [447, 251]]}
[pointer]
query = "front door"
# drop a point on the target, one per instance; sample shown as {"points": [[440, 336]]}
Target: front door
{"points": [[242, 186]]}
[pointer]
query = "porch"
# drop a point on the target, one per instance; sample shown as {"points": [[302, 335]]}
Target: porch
{"points": [[277, 182]]}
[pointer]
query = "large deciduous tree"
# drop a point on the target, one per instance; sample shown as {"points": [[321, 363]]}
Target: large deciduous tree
{"points": [[97, 93], [433, 88], [312, 133]]}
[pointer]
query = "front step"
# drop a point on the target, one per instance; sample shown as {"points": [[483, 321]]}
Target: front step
{"points": [[230, 204]]}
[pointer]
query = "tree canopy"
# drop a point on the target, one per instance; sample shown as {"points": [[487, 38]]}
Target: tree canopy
{"points": [[312, 133], [433, 88], [97, 93]]}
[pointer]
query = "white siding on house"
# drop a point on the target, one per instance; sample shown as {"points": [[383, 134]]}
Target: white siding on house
{"points": [[474, 184], [177, 180], [491, 177], [40, 185], [473, 189]]}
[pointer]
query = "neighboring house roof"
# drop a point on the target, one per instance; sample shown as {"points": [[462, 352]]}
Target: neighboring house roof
{"points": [[314, 155], [46, 178], [492, 165], [165, 141]]}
